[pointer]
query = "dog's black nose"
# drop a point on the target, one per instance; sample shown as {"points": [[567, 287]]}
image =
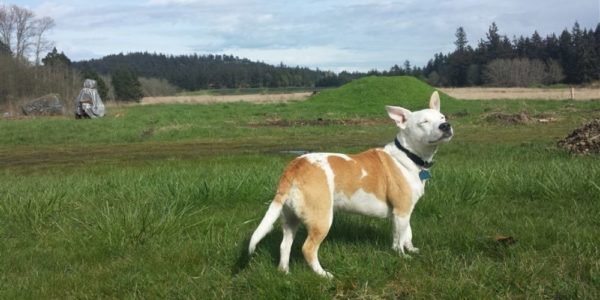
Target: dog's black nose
{"points": [[445, 127]]}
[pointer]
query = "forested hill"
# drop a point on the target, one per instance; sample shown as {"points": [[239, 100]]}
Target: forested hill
{"points": [[193, 72]]}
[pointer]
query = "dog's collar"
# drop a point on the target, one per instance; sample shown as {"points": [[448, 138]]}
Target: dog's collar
{"points": [[415, 158]]}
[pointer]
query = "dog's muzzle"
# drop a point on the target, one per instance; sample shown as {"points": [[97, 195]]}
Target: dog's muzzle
{"points": [[446, 127], [446, 130]]}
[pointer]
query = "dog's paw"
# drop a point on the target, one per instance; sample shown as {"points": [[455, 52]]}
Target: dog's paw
{"points": [[396, 247], [285, 270], [412, 249], [326, 274]]}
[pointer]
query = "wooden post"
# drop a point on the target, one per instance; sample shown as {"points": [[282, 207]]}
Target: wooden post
{"points": [[572, 93]]}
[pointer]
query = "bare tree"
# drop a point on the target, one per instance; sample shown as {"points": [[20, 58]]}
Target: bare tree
{"points": [[554, 72], [515, 72], [7, 25], [24, 30], [41, 44], [23, 33]]}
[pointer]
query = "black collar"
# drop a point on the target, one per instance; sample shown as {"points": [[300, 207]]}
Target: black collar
{"points": [[416, 159]]}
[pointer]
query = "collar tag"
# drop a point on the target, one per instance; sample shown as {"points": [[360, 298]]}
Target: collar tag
{"points": [[424, 175]]}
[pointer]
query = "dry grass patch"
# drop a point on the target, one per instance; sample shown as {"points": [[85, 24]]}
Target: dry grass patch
{"points": [[479, 93], [210, 99]]}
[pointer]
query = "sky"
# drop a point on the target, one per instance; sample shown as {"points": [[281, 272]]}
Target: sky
{"points": [[331, 35]]}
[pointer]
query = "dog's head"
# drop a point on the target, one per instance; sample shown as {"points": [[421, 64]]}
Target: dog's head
{"points": [[427, 127]]}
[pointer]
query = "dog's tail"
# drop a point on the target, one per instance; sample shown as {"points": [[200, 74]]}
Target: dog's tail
{"points": [[274, 211], [266, 225]]}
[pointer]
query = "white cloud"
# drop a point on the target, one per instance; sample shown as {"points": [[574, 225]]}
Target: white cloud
{"points": [[169, 2], [305, 56]]}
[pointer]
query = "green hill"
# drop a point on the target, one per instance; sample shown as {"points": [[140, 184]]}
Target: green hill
{"points": [[371, 93]]}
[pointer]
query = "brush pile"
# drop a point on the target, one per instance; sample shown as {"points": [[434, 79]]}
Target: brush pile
{"points": [[583, 140]]}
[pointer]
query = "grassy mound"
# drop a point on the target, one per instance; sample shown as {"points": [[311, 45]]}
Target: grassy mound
{"points": [[374, 92]]}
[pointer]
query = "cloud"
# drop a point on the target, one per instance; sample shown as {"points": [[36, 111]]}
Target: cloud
{"points": [[169, 2], [313, 56]]}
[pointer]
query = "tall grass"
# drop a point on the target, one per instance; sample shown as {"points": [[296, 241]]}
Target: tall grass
{"points": [[168, 214]]}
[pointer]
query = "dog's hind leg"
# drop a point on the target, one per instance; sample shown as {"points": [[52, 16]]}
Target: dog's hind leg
{"points": [[317, 231], [290, 223]]}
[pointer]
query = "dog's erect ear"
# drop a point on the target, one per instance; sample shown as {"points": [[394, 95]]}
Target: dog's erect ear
{"points": [[398, 114], [434, 101]]}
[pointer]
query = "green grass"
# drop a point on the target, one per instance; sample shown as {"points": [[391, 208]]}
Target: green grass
{"points": [[160, 203]]}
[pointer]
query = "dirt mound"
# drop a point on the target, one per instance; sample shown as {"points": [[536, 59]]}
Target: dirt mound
{"points": [[519, 118], [583, 140], [504, 118]]}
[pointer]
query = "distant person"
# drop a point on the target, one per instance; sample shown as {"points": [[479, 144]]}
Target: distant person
{"points": [[88, 104]]}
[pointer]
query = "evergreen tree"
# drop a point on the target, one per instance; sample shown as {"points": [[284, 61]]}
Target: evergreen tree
{"points": [[567, 56], [596, 38], [55, 59], [396, 70], [461, 39], [552, 47], [459, 61], [536, 49], [492, 46], [578, 47], [407, 68], [127, 86], [588, 58]]}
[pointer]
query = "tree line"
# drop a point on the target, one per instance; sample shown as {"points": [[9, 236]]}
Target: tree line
{"points": [[573, 57], [194, 72]]}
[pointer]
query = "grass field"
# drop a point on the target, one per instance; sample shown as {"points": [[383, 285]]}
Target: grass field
{"points": [[159, 202]]}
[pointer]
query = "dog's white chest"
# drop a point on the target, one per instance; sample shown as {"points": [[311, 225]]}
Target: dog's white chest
{"points": [[361, 202]]}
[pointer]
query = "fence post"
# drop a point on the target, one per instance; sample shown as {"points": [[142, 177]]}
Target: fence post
{"points": [[572, 93]]}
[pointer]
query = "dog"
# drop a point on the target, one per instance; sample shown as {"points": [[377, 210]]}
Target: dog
{"points": [[380, 182]]}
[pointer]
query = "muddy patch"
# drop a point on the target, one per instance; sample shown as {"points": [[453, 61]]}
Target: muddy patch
{"points": [[518, 118], [317, 122], [583, 140]]}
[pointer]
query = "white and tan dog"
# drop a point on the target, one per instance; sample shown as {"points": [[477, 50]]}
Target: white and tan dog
{"points": [[380, 182]]}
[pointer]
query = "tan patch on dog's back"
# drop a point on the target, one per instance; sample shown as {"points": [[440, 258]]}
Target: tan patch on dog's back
{"points": [[363, 171], [375, 172]]}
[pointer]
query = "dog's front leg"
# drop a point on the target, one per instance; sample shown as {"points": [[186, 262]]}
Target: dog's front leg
{"points": [[408, 243], [402, 235]]}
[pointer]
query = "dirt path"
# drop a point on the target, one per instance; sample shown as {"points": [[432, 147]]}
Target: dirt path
{"points": [[209, 99], [521, 93]]}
